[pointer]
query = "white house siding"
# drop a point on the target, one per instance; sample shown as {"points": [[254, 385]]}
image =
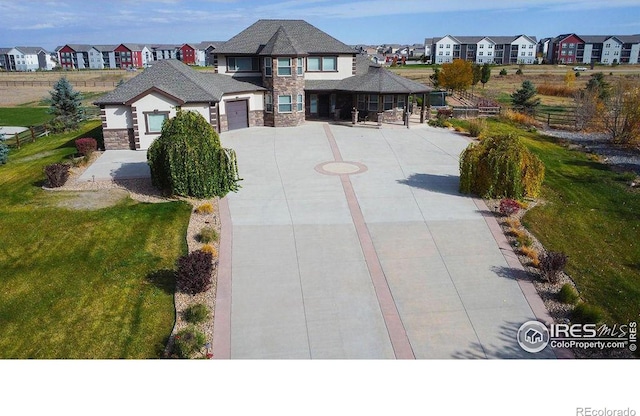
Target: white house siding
{"points": [[444, 46], [487, 48], [635, 51], [118, 116], [200, 57], [588, 48], [526, 50], [256, 101], [150, 103], [345, 70], [203, 109], [611, 51], [95, 59]]}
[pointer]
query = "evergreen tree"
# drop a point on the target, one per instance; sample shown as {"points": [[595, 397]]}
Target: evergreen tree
{"points": [[523, 99], [65, 105], [598, 85], [486, 74], [477, 74], [435, 77]]}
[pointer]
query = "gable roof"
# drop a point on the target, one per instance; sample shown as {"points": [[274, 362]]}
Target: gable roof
{"points": [[281, 44], [30, 50], [175, 79], [305, 38]]}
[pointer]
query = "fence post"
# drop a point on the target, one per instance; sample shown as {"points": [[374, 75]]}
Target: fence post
{"points": [[33, 134], [17, 141], [549, 119]]}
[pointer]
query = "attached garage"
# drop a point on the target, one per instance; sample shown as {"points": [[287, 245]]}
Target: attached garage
{"points": [[237, 114]]}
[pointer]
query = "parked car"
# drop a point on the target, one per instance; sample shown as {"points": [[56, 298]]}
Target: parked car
{"points": [[579, 68]]}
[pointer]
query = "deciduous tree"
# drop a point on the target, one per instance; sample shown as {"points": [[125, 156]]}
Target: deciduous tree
{"points": [[457, 75]]}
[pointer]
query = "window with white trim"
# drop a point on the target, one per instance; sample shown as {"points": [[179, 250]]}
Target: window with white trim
{"points": [[299, 103], [480, 53], [268, 69], [481, 46], [268, 102], [400, 101], [300, 66], [284, 104], [284, 67], [387, 103], [373, 102]]}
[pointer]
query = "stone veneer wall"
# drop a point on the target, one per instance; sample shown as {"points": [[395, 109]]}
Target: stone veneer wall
{"points": [[285, 85], [256, 119], [118, 139]]}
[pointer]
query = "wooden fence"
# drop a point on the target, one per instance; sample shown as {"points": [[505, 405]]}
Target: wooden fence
{"points": [[33, 133], [11, 83], [566, 119]]}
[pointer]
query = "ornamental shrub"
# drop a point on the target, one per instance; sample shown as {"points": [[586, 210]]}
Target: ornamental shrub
{"points": [[188, 160], [205, 208], [476, 127], [194, 272], [207, 235], [509, 207], [500, 167], [57, 174], [86, 146], [188, 341], [208, 248], [551, 264], [4, 153], [445, 113], [586, 314], [568, 294], [503, 71], [197, 313]]}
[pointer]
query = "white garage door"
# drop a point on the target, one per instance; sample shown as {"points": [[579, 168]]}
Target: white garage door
{"points": [[237, 114]]}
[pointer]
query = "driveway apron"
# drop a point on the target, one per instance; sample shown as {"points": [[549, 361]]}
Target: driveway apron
{"points": [[355, 243]]}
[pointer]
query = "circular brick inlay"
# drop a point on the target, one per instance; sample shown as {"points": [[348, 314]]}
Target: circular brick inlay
{"points": [[340, 168]]}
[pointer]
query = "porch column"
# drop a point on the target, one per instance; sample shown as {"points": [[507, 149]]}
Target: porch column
{"points": [[423, 109]]}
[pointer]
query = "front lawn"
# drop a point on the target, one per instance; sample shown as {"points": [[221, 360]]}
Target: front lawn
{"points": [[24, 116], [81, 283], [592, 215]]}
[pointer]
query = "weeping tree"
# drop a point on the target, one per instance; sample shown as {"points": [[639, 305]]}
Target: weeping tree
{"points": [[188, 159], [500, 167], [65, 106]]}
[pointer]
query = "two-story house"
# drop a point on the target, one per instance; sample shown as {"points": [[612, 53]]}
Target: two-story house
{"points": [[274, 73]]}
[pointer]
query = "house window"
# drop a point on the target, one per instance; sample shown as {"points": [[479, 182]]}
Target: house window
{"points": [[268, 102], [313, 104], [441, 46], [481, 46], [490, 46], [400, 101], [440, 53], [571, 45], [388, 102], [564, 45], [242, 64], [448, 46], [300, 66], [361, 102], [284, 67], [530, 53], [373, 102], [522, 54], [480, 53], [284, 104], [530, 46], [329, 63], [322, 63], [268, 67], [154, 121], [448, 53], [299, 103], [564, 52], [489, 53]]}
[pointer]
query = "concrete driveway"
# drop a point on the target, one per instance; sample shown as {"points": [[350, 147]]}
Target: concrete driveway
{"points": [[355, 243]]}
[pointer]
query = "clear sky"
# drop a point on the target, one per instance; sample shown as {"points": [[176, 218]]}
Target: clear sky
{"points": [[51, 23]]}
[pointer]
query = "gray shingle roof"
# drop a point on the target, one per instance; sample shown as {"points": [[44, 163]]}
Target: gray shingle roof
{"points": [[281, 44], [382, 81], [105, 48], [308, 38], [176, 79], [79, 47], [30, 50]]}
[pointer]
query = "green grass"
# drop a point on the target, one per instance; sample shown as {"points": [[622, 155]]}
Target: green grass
{"points": [[80, 283], [591, 215], [23, 116]]}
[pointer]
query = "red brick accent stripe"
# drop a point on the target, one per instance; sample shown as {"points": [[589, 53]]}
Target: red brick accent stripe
{"points": [[395, 327], [222, 317]]}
